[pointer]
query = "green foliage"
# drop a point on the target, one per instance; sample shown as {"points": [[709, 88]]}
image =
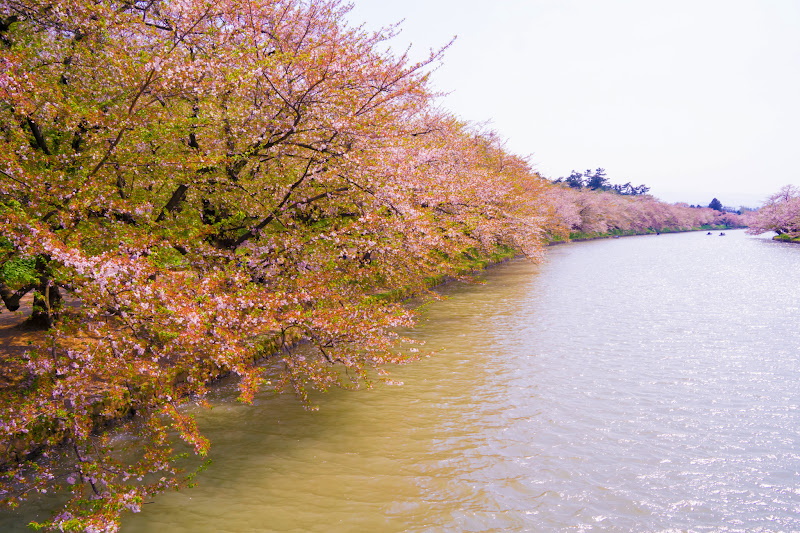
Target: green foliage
{"points": [[19, 271], [597, 181], [168, 258], [469, 262], [714, 227]]}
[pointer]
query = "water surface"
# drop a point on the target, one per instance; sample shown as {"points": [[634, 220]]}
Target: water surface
{"points": [[637, 384]]}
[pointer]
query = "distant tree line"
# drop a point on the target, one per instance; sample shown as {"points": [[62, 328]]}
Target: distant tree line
{"points": [[716, 205], [597, 181]]}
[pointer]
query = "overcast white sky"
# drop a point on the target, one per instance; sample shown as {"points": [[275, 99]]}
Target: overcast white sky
{"points": [[695, 98]]}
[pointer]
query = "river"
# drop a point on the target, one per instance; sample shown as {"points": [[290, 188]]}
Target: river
{"points": [[637, 384]]}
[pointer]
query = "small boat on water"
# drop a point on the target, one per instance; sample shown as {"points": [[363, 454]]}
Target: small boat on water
{"points": [[722, 233]]}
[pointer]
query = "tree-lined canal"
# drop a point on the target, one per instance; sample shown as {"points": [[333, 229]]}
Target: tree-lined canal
{"points": [[645, 383]]}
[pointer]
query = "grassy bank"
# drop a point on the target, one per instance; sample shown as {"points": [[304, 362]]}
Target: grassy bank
{"points": [[469, 262], [786, 238], [578, 236]]}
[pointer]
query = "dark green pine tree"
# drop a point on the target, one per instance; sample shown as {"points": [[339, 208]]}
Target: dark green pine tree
{"points": [[715, 204]]}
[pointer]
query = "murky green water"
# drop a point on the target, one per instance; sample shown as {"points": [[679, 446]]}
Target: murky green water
{"points": [[639, 384]]}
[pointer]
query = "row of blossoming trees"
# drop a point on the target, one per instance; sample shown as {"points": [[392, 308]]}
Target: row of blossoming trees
{"points": [[206, 182], [589, 212]]}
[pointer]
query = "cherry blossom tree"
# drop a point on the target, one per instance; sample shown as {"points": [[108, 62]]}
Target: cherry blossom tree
{"points": [[780, 213], [212, 182]]}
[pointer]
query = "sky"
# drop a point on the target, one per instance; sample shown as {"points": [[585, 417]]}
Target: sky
{"points": [[696, 99]]}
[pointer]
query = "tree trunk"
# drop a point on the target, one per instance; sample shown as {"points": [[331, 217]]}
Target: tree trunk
{"points": [[46, 305], [11, 298]]}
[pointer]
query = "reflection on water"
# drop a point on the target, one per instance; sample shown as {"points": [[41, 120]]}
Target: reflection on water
{"points": [[646, 383]]}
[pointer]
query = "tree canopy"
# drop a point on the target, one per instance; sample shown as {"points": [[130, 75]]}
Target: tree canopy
{"points": [[598, 181]]}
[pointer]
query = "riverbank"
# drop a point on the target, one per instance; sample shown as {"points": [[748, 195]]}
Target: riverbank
{"points": [[470, 262], [580, 237], [786, 238]]}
